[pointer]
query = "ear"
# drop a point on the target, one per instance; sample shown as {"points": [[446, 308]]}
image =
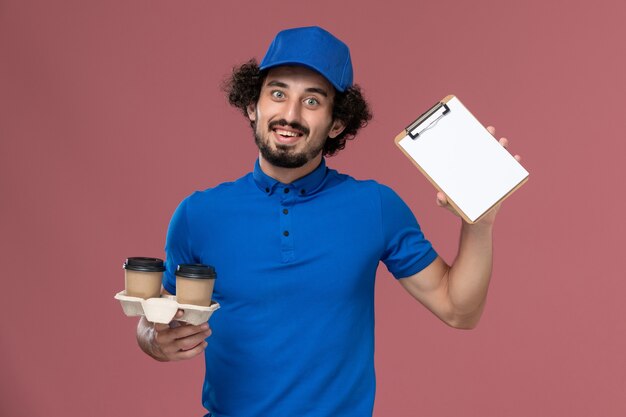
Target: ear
{"points": [[251, 109], [336, 129]]}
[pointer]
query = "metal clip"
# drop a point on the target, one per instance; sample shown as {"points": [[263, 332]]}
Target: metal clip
{"points": [[427, 119]]}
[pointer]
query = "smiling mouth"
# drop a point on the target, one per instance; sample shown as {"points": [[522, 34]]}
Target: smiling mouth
{"points": [[286, 137], [287, 133]]}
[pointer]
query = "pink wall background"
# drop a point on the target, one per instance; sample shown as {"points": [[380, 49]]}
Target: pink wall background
{"points": [[111, 113]]}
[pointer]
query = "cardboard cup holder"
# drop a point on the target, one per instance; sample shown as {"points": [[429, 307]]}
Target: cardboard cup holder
{"points": [[163, 309]]}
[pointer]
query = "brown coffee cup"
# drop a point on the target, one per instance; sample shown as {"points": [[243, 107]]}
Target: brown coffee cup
{"points": [[194, 284], [143, 277]]}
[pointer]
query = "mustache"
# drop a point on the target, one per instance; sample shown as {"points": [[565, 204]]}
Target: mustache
{"points": [[293, 125]]}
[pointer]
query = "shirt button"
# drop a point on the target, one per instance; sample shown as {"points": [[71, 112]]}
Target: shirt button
{"points": [[286, 190], [285, 233], [301, 192], [267, 190], [285, 211]]}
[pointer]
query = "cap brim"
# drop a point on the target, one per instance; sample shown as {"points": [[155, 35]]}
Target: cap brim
{"points": [[302, 64]]}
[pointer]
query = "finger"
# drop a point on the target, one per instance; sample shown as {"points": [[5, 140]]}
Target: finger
{"points": [[159, 327], [168, 335], [188, 330], [517, 158], [491, 130], [441, 199], [183, 344], [176, 320], [188, 354], [504, 142], [191, 341]]}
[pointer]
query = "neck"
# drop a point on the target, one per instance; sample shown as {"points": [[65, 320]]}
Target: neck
{"points": [[289, 175]]}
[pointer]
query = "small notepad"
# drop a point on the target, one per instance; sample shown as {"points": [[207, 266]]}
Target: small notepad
{"points": [[460, 157]]}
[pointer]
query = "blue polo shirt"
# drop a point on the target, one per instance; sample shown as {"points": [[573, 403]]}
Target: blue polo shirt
{"points": [[295, 280]]}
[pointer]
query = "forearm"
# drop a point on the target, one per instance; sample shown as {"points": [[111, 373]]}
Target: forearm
{"points": [[469, 276], [145, 339]]}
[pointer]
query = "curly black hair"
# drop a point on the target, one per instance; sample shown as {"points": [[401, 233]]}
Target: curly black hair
{"points": [[244, 88]]}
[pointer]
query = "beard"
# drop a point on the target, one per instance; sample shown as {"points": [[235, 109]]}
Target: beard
{"points": [[284, 156]]}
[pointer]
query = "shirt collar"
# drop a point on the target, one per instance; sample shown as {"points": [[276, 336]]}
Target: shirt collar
{"points": [[303, 186]]}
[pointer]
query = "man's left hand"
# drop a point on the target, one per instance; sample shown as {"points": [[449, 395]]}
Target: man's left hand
{"points": [[490, 217]]}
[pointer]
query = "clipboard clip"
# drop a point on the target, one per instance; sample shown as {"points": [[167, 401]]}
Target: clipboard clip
{"points": [[427, 120]]}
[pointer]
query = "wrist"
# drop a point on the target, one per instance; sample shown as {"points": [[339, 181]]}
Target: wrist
{"points": [[146, 338], [155, 350]]}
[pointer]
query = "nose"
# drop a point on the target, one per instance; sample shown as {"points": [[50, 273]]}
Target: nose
{"points": [[293, 111]]}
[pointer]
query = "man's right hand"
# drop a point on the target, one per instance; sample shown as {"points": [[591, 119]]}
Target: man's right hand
{"points": [[172, 342]]}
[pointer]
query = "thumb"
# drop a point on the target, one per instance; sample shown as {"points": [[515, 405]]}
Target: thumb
{"points": [[441, 199], [160, 327]]}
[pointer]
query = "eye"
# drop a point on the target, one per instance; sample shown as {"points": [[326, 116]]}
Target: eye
{"points": [[278, 94], [311, 101]]}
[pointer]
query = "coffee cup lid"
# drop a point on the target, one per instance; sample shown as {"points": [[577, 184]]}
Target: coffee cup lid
{"points": [[139, 263], [198, 271]]}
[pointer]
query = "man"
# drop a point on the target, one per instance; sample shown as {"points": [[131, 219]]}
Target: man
{"points": [[296, 247]]}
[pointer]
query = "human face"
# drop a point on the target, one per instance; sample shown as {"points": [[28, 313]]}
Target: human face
{"points": [[293, 117]]}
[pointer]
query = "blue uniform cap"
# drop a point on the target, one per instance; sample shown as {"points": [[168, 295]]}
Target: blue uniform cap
{"points": [[315, 48]]}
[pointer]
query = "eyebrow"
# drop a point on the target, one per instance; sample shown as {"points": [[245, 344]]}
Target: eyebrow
{"points": [[281, 84], [317, 90]]}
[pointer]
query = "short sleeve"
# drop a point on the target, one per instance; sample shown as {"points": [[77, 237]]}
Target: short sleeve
{"points": [[178, 248], [406, 250]]}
